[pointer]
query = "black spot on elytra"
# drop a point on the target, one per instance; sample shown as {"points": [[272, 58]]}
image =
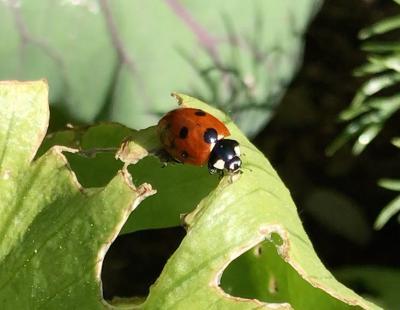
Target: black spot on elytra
{"points": [[200, 113], [210, 135], [183, 132], [184, 154]]}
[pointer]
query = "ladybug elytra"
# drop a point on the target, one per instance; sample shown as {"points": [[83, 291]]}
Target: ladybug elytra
{"points": [[196, 137]]}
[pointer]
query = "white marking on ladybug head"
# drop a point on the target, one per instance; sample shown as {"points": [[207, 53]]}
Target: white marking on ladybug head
{"points": [[234, 165], [212, 146], [237, 150], [219, 164], [220, 137]]}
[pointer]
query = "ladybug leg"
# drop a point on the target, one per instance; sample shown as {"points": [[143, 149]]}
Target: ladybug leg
{"points": [[165, 158], [234, 176], [212, 170], [217, 171]]}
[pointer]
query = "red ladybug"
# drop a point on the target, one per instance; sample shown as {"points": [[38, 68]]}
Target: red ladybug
{"points": [[195, 137]]}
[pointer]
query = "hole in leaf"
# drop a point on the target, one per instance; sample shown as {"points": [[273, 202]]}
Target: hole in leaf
{"points": [[60, 117], [256, 274], [134, 261], [180, 188], [260, 273], [100, 143], [94, 172], [276, 239]]}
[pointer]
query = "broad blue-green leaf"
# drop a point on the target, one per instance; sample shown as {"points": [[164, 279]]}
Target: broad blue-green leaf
{"points": [[117, 60]]}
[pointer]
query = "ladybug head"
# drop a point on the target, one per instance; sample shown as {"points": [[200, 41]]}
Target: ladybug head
{"points": [[225, 155]]}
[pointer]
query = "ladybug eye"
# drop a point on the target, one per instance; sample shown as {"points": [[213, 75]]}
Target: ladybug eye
{"points": [[210, 136]]}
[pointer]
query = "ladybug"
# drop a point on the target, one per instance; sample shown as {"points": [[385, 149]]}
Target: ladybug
{"points": [[196, 137]]}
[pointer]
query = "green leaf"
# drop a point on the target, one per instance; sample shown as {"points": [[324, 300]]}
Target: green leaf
{"points": [[390, 62], [376, 84], [351, 130], [55, 233], [238, 56], [396, 142], [369, 68], [387, 213], [381, 47], [241, 213], [94, 163], [99, 169], [381, 27], [261, 273], [368, 121], [383, 69], [368, 134], [390, 184]]}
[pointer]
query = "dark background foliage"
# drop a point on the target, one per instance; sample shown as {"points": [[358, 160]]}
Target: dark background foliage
{"points": [[306, 123], [295, 142]]}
